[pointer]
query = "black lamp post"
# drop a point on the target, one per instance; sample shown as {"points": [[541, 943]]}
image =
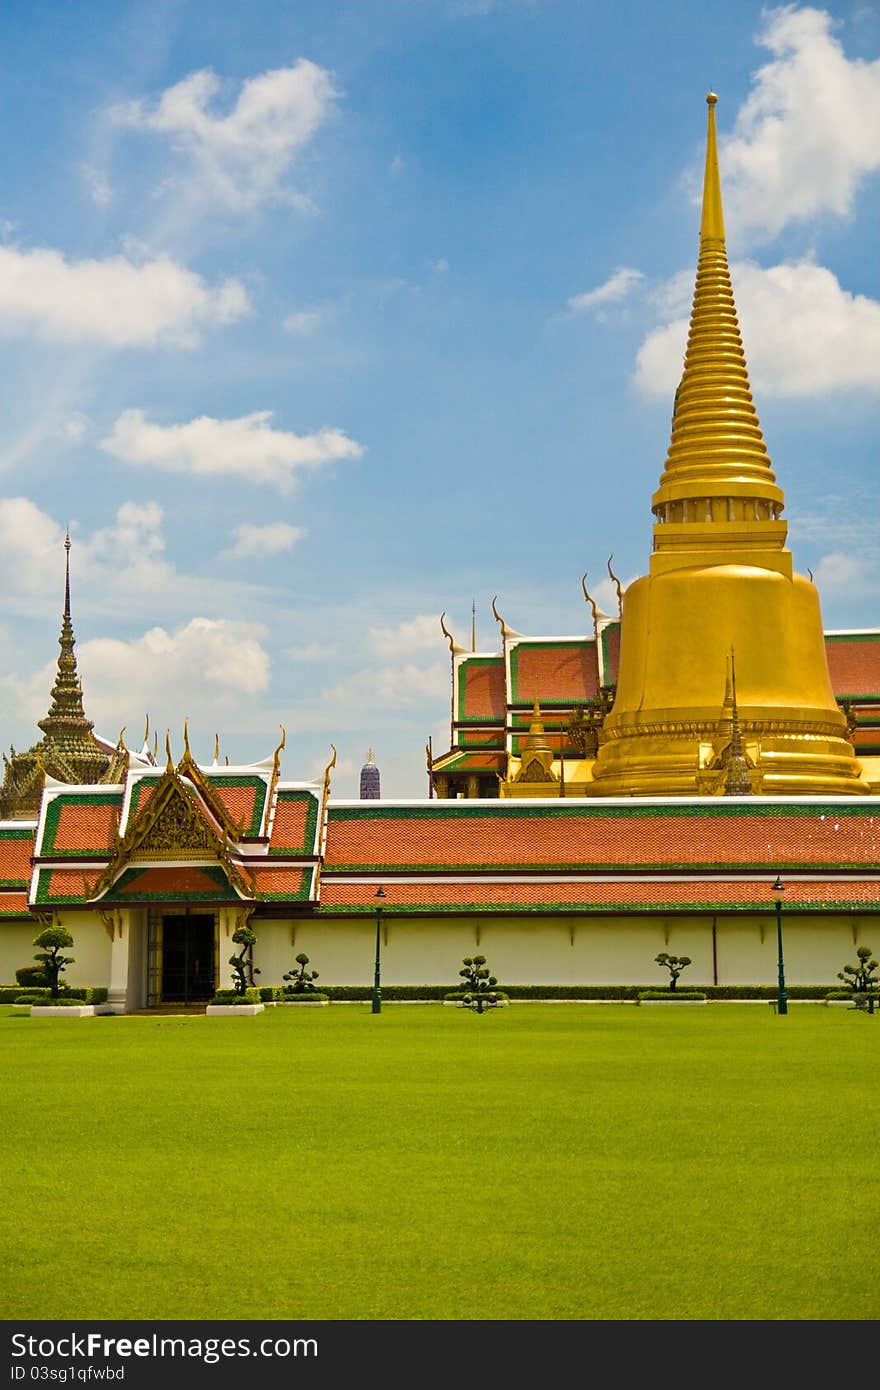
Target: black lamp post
{"points": [[782, 998], [377, 992]]}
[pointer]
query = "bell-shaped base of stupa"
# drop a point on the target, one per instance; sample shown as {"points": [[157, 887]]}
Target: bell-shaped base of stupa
{"points": [[669, 730]]}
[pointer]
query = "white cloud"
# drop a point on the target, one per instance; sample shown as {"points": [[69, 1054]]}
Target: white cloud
{"points": [[127, 554], [114, 301], [313, 651], [842, 571], [205, 667], [271, 539], [99, 188], [411, 635], [391, 687], [246, 447], [615, 288], [75, 426], [808, 133], [440, 266], [803, 334], [303, 322], [240, 157]]}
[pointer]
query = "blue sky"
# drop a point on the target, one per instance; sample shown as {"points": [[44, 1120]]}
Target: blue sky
{"points": [[320, 318]]}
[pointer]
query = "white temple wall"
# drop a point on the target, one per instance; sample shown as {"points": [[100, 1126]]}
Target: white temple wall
{"points": [[566, 949], [91, 948]]}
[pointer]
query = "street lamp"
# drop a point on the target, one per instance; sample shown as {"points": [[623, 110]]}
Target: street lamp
{"points": [[782, 998], [377, 992]]}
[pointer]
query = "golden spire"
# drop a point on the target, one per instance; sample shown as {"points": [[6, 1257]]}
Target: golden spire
{"points": [[473, 624], [717, 477], [736, 780]]}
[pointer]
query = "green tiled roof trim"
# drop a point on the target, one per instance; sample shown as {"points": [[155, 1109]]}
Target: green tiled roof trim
{"points": [[224, 891], [301, 895], [603, 642], [555, 909], [260, 788], [686, 809], [852, 636], [461, 681], [467, 756], [53, 816], [6, 835], [477, 741], [308, 845]]}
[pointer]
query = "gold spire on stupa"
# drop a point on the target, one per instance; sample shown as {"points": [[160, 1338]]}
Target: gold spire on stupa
{"points": [[717, 481], [720, 577]]}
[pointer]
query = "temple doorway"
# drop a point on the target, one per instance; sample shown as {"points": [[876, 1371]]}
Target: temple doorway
{"points": [[183, 957]]}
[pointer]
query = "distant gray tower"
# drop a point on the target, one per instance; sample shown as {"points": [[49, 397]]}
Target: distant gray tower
{"points": [[370, 779]]}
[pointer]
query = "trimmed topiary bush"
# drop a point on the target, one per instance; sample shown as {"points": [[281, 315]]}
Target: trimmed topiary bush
{"points": [[52, 941], [300, 980], [32, 977], [674, 964], [241, 964]]}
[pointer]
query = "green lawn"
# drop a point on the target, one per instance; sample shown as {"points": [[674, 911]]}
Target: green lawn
{"points": [[540, 1162]]}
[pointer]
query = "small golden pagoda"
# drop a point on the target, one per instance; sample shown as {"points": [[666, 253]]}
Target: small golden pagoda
{"points": [[532, 773], [721, 577], [68, 751]]}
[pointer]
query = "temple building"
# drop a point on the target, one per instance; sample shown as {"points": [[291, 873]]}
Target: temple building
{"points": [[605, 796]]}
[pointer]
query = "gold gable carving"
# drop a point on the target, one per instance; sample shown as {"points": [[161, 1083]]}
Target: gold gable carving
{"points": [[536, 772], [178, 832]]}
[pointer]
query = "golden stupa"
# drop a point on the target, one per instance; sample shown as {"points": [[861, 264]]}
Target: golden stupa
{"points": [[720, 579]]}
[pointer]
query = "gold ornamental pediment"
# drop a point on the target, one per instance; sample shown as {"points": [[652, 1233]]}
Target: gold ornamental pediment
{"points": [[178, 831]]}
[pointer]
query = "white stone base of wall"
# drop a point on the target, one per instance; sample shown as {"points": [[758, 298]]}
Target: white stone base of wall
{"points": [[233, 1010], [77, 1011]]}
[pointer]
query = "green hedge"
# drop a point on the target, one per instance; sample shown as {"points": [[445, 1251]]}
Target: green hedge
{"points": [[84, 994], [270, 993], [304, 996], [61, 1002], [670, 995], [575, 991], [31, 976], [230, 996]]}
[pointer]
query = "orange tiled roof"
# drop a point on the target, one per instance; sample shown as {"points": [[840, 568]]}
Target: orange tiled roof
{"points": [[277, 882], [295, 826], [481, 693], [81, 824], [514, 835], [16, 848], [854, 663], [14, 905], [556, 672], [632, 894], [185, 881], [239, 803], [66, 885]]}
